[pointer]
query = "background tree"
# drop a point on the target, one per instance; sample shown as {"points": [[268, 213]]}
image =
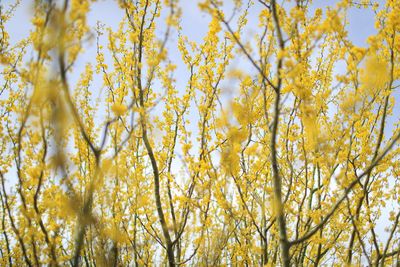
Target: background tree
{"points": [[273, 141]]}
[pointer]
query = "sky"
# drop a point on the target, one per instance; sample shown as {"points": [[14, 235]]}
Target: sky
{"points": [[193, 21]]}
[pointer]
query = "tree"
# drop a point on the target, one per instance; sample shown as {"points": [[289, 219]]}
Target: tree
{"points": [[148, 159]]}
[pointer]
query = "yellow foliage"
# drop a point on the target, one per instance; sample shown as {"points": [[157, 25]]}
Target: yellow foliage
{"points": [[375, 75], [242, 141], [118, 109]]}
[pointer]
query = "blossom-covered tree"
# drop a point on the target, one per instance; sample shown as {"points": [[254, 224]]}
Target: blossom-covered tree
{"points": [[268, 143]]}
